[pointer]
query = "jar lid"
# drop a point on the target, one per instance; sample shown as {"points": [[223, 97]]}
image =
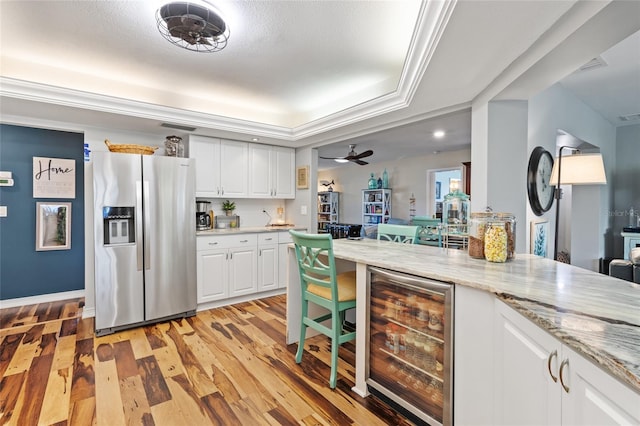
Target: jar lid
{"points": [[504, 215], [481, 215]]}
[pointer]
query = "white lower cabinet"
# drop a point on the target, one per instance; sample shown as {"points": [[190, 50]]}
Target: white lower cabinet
{"points": [[267, 261], [227, 266], [212, 275], [235, 267], [538, 380]]}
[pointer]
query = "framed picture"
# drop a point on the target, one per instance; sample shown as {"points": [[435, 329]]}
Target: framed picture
{"points": [[539, 238], [438, 193], [302, 177], [53, 226]]}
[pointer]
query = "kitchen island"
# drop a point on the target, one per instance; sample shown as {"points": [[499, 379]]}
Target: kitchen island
{"points": [[592, 314]]}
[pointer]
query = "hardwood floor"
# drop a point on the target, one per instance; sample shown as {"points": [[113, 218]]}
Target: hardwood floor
{"points": [[227, 366]]}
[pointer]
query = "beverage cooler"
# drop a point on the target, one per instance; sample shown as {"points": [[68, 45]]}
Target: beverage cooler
{"points": [[410, 354]]}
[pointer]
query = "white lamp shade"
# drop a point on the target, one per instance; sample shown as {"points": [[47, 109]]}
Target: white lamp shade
{"points": [[579, 169]]}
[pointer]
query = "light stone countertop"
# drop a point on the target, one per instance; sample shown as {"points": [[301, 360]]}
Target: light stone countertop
{"points": [[594, 314], [247, 230]]}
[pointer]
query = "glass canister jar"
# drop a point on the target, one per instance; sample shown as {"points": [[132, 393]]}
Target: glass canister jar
{"points": [[509, 221], [495, 241], [456, 211], [173, 146], [477, 227]]}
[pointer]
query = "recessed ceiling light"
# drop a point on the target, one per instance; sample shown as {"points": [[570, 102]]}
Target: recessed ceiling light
{"points": [[255, 139], [438, 134]]}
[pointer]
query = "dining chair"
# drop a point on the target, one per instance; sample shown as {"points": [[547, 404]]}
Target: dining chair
{"points": [[430, 230], [398, 233], [323, 286]]}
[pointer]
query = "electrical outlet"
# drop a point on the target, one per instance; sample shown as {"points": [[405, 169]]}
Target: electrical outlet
{"points": [[303, 210], [3, 211]]}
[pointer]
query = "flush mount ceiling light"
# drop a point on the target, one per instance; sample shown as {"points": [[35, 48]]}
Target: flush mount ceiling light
{"points": [[438, 134], [193, 26]]}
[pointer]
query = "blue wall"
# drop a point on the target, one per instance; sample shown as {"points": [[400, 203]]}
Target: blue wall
{"points": [[23, 270]]}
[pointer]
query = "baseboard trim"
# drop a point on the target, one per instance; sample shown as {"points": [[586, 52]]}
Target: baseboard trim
{"points": [[42, 298], [239, 299]]}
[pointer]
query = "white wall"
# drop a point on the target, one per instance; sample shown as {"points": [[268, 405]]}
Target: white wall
{"points": [[587, 225], [406, 176], [302, 210], [507, 165]]}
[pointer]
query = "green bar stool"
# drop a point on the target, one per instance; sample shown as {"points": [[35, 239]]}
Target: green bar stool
{"points": [[322, 285], [398, 233]]}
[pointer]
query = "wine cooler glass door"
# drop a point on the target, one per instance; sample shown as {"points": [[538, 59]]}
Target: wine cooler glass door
{"points": [[410, 345]]}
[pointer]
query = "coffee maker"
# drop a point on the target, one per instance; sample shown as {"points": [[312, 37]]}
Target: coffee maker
{"points": [[203, 220]]}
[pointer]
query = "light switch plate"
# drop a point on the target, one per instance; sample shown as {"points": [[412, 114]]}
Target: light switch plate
{"points": [[303, 210], [3, 211]]}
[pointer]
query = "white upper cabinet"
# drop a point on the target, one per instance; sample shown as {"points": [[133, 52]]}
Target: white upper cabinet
{"points": [[284, 173], [206, 152], [271, 171], [259, 171], [234, 161], [221, 167]]}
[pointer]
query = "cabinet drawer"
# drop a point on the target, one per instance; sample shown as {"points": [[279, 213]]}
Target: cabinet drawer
{"points": [[226, 241], [265, 238]]}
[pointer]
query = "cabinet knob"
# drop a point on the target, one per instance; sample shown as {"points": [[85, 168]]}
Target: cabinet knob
{"points": [[564, 363], [551, 356]]}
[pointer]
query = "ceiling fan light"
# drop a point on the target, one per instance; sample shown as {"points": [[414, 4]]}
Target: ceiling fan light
{"points": [[340, 160], [195, 26]]}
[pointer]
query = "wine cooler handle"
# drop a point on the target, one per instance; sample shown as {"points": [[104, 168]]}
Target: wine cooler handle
{"points": [[564, 363], [551, 356]]}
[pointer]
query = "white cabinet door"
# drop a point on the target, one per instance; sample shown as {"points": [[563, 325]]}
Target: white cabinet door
{"points": [[271, 172], [233, 166], [283, 174], [268, 267], [212, 275], [260, 182], [242, 271], [526, 360], [593, 396], [538, 380], [206, 152]]}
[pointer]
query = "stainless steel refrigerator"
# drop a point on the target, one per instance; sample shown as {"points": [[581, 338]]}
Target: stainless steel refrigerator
{"points": [[145, 244]]}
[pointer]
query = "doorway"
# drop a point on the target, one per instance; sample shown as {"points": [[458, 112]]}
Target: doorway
{"points": [[440, 182]]}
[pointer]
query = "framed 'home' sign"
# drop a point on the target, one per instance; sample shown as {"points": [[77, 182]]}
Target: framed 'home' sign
{"points": [[54, 178]]}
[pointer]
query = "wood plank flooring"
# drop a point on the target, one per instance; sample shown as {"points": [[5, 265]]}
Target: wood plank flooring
{"points": [[227, 366]]}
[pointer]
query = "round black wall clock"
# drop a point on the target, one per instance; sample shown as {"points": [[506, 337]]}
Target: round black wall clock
{"points": [[538, 176]]}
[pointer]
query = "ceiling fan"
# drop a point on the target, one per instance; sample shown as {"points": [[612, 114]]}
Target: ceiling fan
{"points": [[193, 26], [352, 156]]}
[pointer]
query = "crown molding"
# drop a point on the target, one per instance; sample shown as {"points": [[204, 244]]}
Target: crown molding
{"points": [[431, 21]]}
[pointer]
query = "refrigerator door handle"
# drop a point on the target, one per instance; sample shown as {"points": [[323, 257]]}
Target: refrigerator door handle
{"points": [[147, 226], [138, 222]]}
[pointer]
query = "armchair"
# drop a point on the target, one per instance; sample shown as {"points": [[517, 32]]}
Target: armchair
{"points": [[627, 269]]}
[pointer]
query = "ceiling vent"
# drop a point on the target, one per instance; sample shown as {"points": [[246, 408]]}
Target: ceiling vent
{"points": [[630, 117], [593, 64], [178, 127]]}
